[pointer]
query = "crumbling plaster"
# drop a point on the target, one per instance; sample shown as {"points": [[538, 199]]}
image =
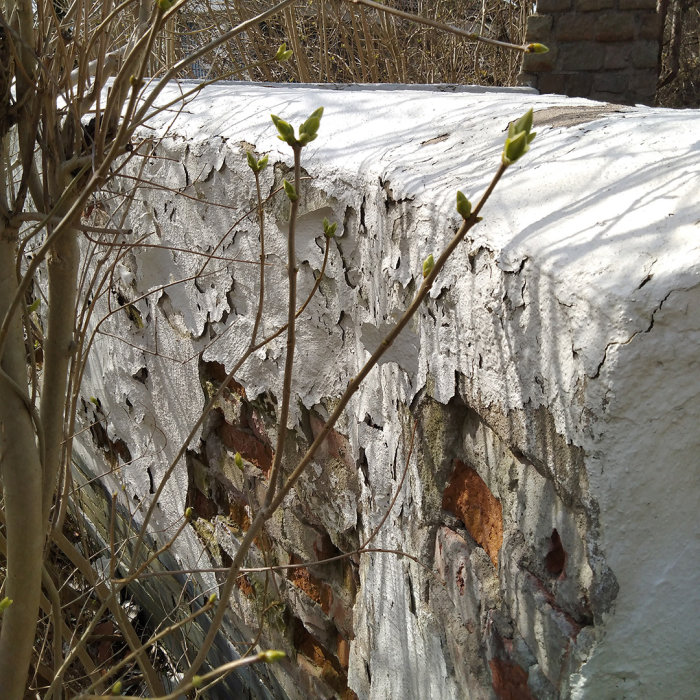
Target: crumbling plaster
{"points": [[557, 357]]}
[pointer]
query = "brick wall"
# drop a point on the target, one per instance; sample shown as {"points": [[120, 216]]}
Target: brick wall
{"points": [[603, 49]]}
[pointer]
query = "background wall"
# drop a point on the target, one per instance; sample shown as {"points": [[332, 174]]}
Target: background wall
{"points": [[607, 50]]}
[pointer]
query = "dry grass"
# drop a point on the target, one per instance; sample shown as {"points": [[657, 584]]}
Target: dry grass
{"points": [[338, 42]]}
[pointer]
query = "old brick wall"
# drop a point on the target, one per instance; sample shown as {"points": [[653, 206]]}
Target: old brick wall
{"points": [[603, 49]]}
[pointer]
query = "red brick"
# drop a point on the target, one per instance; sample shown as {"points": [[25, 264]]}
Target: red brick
{"points": [[509, 681], [469, 498]]}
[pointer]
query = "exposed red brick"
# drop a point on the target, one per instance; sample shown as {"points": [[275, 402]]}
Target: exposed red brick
{"points": [[469, 498], [509, 681], [243, 583], [203, 506], [239, 515], [263, 542], [318, 591], [343, 652], [251, 447], [320, 662]]}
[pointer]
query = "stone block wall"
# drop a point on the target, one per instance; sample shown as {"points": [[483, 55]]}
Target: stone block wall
{"points": [[607, 50]]}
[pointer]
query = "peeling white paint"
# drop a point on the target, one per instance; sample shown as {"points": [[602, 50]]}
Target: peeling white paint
{"points": [[577, 294]]}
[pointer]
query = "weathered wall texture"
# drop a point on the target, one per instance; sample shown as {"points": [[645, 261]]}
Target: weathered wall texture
{"points": [[551, 492], [603, 49]]}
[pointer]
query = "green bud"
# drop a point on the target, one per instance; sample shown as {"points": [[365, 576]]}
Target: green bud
{"points": [[515, 148], [117, 688], [237, 459], [290, 191], [308, 130], [189, 513], [464, 206], [282, 54], [4, 604], [537, 48], [329, 228], [212, 599], [165, 4], [256, 165], [272, 655], [285, 130], [34, 306], [523, 124], [428, 265], [519, 139], [252, 163], [196, 681]]}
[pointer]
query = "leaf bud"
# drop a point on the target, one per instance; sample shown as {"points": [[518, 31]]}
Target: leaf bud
{"points": [[237, 459], [519, 139], [464, 206], [309, 129], [537, 48], [428, 265], [272, 655], [329, 228], [284, 129], [283, 54], [290, 191]]}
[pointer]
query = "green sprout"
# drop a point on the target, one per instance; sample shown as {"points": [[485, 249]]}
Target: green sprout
{"points": [[428, 265], [307, 131], [283, 54], [464, 206], [329, 228], [255, 165], [272, 655], [518, 140], [290, 190]]}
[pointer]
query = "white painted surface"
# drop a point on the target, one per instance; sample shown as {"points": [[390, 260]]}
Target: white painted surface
{"points": [[583, 298]]}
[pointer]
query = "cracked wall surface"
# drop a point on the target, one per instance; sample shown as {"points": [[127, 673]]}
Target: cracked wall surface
{"points": [[535, 426]]}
